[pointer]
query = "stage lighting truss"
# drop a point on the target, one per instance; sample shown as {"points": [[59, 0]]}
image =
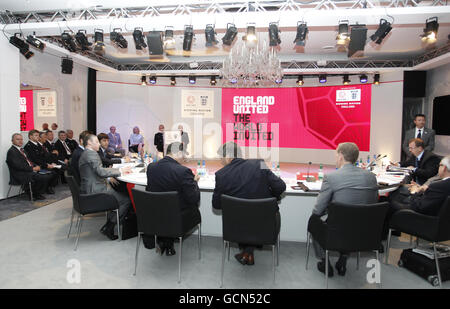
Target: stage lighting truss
{"points": [[68, 42], [23, 47], [138, 37], [169, 40], [274, 37], [383, 30], [343, 36], [302, 31], [117, 38], [188, 37], [82, 40], [430, 31], [210, 36], [230, 35]]}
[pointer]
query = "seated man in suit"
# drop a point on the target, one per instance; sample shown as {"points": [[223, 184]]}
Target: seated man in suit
{"points": [[169, 175], [350, 185], [64, 152], [23, 170], [93, 180], [419, 131], [48, 143], [107, 159], [429, 201], [70, 141], [250, 179], [74, 161], [37, 155], [423, 164]]}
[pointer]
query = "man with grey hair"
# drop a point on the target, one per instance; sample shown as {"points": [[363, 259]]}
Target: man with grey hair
{"points": [[250, 179], [349, 185]]}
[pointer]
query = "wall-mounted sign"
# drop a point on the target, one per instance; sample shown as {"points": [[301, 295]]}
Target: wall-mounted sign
{"points": [[46, 103]]}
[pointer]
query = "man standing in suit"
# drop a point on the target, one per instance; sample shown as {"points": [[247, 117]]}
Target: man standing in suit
{"points": [[63, 149], [37, 155], [425, 134], [70, 141], [349, 185], [159, 140], [169, 175], [250, 179], [74, 161], [23, 171], [93, 180], [423, 163]]}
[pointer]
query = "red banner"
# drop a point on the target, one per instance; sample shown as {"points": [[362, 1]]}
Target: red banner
{"points": [[26, 110], [307, 117]]}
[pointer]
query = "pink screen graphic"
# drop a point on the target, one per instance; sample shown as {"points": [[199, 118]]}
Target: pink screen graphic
{"points": [[314, 117], [26, 110]]}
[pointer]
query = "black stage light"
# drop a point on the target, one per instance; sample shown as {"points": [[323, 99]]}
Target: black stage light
{"points": [[343, 36], [358, 39], [300, 81], [173, 81], [230, 35], [274, 37], [99, 45], [23, 47], [363, 78], [139, 38], [322, 79], [431, 29], [346, 79], [192, 79], [143, 80], [376, 79], [169, 40], [118, 39], [82, 40], [213, 81], [68, 42], [210, 36], [188, 37], [66, 65], [152, 80], [302, 31], [35, 42], [383, 29], [155, 43], [250, 35]]}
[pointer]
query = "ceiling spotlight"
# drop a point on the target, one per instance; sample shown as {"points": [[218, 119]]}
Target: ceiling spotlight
{"points": [[383, 29], [230, 35], [35, 42], [300, 81], [82, 40], [144, 80], [322, 78], [152, 80], [173, 82], [23, 47], [233, 80], [118, 39], [210, 35], [376, 79], [250, 37], [278, 80], [139, 38], [169, 41], [192, 79], [68, 42], [99, 45], [431, 29], [302, 31], [358, 39], [346, 80], [188, 37], [213, 81], [343, 35], [274, 37], [363, 78]]}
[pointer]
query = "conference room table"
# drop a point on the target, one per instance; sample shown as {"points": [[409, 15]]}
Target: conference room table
{"points": [[295, 205]]}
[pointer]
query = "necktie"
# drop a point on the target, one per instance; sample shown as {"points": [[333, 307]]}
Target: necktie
{"points": [[419, 135], [26, 158], [417, 162], [66, 147]]}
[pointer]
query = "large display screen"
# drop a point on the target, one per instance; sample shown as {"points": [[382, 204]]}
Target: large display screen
{"points": [[306, 117]]}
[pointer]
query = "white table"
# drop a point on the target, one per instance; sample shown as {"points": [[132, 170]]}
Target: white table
{"points": [[295, 206]]}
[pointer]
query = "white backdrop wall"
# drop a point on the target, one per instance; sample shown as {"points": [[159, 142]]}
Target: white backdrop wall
{"points": [[123, 102]]}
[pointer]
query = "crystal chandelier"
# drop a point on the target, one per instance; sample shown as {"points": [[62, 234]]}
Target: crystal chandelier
{"points": [[252, 65]]}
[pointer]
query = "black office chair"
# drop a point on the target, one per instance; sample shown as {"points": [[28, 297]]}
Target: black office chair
{"points": [[431, 228], [349, 228], [85, 204], [250, 221], [12, 183], [160, 214]]}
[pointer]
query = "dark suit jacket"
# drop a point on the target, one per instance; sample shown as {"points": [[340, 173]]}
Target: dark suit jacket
{"points": [[430, 202], [107, 160], [62, 153], [36, 154], [159, 142], [428, 136], [51, 157], [74, 163], [20, 171], [168, 175], [428, 166], [72, 144], [249, 179]]}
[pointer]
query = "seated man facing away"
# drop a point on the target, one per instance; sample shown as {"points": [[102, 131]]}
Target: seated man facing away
{"points": [[169, 175], [349, 185], [93, 180], [74, 161], [429, 201], [250, 179], [24, 171]]}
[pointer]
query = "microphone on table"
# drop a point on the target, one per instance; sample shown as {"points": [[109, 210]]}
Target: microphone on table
{"points": [[379, 157]]}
